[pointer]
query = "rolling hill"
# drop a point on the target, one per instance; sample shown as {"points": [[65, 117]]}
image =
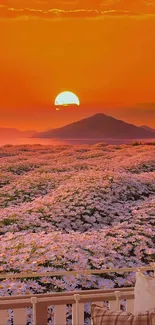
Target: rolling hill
{"points": [[15, 133]]}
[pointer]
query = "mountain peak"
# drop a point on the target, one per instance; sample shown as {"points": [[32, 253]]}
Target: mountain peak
{"points": [[99, 114], [99, 126]]}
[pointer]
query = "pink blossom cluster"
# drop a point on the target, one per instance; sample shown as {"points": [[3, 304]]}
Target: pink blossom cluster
{"points": [[75, 207]]}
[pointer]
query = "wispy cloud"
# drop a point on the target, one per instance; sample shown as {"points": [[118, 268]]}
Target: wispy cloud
{"points": [[8, 12]]}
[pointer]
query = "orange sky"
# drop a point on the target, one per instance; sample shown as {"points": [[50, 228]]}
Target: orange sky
{"points": [[108, 62]]}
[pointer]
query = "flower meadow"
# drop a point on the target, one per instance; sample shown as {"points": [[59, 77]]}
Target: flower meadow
{"points": [[73, 208]]}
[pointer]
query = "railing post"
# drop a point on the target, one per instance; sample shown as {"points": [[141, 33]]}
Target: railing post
{"points": [[41, 313], [4, 317], [117, 295], [34, 302], [60, 314], [77, 299]]}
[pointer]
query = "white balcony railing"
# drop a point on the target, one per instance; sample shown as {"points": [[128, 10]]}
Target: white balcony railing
{"points": [[40, 304], [77, 299]]}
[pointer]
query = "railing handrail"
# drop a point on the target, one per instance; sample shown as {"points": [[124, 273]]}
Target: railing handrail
{"points": [[64, 299], [77, 272]]}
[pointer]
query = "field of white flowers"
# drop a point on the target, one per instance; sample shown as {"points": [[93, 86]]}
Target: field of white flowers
{"points": [[75, 207]]}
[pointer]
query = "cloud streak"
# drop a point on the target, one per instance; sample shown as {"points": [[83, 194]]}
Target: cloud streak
{"points": [[6, 12]]}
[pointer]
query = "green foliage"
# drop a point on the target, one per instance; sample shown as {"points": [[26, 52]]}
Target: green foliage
{"points": [[9, 221]]}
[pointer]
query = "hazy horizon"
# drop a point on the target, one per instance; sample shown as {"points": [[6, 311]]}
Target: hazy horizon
{"points": [[79, 115]]}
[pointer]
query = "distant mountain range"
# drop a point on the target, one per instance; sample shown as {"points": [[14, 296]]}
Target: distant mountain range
{"points": [[99, 126], [15, 133]]}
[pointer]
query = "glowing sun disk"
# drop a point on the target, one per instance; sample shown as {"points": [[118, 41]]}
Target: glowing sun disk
{"points": [[66, 98]]}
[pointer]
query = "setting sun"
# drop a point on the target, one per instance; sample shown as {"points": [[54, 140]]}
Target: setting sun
{"points": [[66, 98]]}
